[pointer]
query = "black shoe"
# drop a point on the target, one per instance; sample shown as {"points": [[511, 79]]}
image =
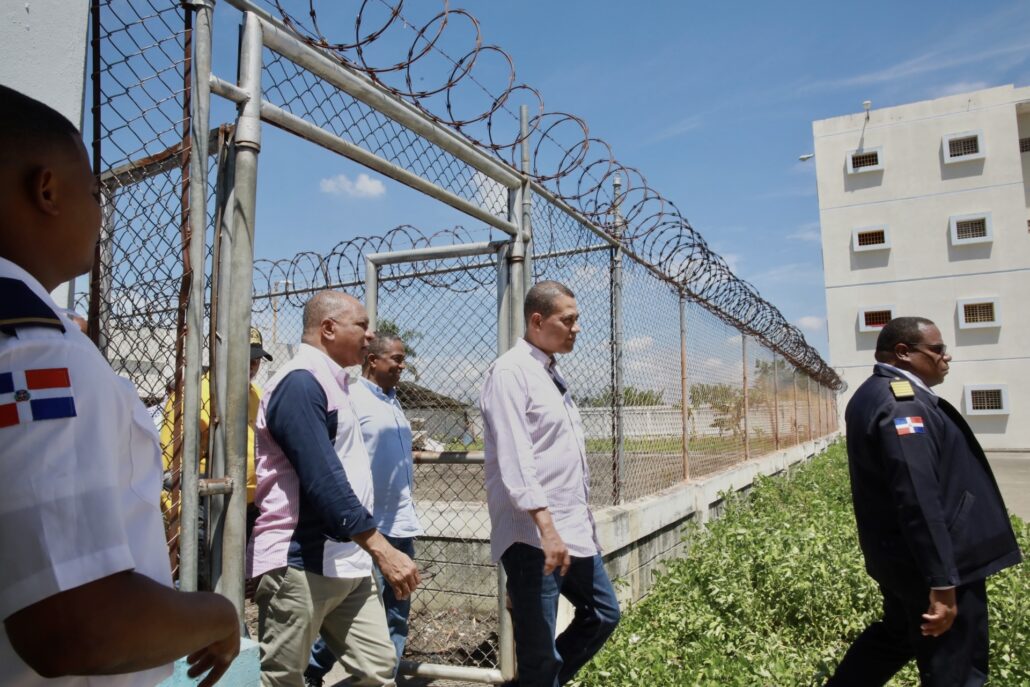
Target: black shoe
{"points": [[311, 681]]}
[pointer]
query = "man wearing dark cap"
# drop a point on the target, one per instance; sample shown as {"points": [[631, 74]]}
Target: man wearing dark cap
{"points": [[171, 440], [931, 521], [85, 585]]}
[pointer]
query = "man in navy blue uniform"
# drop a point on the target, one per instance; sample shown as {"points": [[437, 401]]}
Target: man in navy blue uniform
{"points": [[931, 521]]}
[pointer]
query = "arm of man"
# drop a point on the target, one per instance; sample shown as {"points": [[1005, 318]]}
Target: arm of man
{"points": [[70, 597], [504, 408], [910, 465], [297, 418], [142, 624]]}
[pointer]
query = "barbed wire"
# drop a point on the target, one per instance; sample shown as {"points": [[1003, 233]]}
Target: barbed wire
{"points": [[578, 168]]}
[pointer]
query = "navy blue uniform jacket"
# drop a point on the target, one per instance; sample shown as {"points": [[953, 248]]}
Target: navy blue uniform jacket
{"points": [[928, 508]]}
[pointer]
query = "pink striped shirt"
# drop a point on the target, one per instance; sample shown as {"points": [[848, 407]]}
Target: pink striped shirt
{"points": [[535, 454], [278, 493]]}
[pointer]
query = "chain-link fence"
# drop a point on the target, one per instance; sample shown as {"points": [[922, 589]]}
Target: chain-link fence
{"points": [[681, 369]]}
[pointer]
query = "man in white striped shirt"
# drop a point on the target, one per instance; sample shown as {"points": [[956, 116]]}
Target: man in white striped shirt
{"points": [[538, 485]]}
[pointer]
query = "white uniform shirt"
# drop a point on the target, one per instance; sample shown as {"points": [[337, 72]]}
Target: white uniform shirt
{"points": [[535, 454], [79, 492]]}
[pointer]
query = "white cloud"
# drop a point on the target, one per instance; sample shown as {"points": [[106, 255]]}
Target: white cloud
{"points": [[959, 87], [733, 261], [639, 343], [791, 273], [812, 323], [363, 186], [677, 128], [806, 232]]}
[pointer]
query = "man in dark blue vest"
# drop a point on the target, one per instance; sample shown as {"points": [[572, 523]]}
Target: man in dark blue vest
{"points": [[931, 521]]}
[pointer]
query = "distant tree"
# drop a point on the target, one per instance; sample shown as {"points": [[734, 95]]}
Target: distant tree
{"points": [[386, 327], [631, 396], [726, 400]]}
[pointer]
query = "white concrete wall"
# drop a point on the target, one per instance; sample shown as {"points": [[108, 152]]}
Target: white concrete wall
{"points": [[922, 273], [44, 56]]}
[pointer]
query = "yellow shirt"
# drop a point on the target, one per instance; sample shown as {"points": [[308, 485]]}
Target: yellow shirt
{"points": [[170, 448]]}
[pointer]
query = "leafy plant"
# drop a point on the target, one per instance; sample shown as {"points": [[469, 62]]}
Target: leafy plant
{"points": [[773, 593]]}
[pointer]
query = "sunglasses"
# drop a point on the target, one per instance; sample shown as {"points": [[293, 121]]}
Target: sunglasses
{"points": [[937, 349]]}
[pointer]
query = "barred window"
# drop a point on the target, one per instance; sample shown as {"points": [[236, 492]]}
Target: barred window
{"points": [[966, 229], [968, 145], [1024, 145], [876, 318], [860, 160], [978, 312], [875, 237], [986, 399]]}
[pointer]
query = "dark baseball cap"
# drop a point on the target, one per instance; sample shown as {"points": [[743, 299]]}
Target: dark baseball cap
{"points": [[257, 349]]}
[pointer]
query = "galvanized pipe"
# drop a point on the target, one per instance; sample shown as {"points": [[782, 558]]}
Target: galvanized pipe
{"points": [[684, 388], [305, 129], [194, 320], [224, 199], [505, 340], [248, 146], [527, 202], [618, 455], [776, 404], [372, 290], [437, 671], [227, 90], [747, 404], [463, 250]]}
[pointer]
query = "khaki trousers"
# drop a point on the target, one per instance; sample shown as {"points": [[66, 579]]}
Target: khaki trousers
{"points": [[294, 606]]}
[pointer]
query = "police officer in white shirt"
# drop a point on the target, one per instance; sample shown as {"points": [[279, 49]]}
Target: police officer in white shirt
{"points": [[85, 584]]}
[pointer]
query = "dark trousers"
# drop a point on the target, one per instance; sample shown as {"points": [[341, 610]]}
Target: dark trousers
{"points": [[958, 658], [542, 660]]}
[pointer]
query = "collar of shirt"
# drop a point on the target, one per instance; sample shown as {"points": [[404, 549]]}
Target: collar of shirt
{"points": [[911, 377], [377, 390], [338, 373], [15, 271]]}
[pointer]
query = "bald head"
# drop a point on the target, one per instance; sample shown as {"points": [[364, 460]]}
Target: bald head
{"points": [[326, 305], [337, 324]]}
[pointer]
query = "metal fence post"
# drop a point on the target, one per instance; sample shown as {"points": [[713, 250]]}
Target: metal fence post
{"points": [[514, 277], [684, 389], [248, 146], [617, 401], [220, 313], [199, 106], [808, 404], [794, 393], [776, 417], [747, 397]]}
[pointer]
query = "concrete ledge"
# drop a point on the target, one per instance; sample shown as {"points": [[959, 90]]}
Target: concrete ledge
{"points": [[245, 671]]}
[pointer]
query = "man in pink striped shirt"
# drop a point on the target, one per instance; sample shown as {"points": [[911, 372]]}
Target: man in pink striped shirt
{"points": [[315, 540], [538, 484]]}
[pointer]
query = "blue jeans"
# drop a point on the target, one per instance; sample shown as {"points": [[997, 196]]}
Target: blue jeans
{"points": [[544, 661], [397, 611]]}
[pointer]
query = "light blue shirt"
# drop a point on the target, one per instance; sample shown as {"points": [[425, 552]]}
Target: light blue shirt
{"points": [[387, 436]]}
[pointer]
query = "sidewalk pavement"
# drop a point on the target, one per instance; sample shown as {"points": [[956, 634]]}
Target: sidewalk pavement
{"points": [[1012, 470]]}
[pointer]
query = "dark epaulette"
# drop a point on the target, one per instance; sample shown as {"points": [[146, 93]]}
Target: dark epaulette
{"points": [[20, 307]]}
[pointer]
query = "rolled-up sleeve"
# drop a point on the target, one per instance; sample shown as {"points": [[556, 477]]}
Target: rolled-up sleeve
{"points": [[297, 417], [504, 404]]}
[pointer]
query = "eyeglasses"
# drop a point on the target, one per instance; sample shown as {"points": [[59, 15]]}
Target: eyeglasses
{"points": [[937, 349]]}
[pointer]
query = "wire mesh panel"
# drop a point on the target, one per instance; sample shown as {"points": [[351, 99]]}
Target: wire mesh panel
{"points": [[446, 313], [652, 404], [566, 252], [141, 146], [715, 373]]}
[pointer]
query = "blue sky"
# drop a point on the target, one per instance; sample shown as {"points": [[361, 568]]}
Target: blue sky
{"points": [[713, 102]]}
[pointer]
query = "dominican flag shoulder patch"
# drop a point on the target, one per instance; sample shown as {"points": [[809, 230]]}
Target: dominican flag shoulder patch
{"points": [[30, 395], [909, 425]]}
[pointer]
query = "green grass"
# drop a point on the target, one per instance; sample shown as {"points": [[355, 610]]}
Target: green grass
{"points": [[773, 592]]}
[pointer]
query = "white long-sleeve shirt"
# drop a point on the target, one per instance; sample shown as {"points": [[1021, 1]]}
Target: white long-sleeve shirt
{"points": [[535, 454]]}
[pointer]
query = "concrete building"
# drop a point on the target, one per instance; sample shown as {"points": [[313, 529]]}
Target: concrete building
{"points": [[925, 210]]}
